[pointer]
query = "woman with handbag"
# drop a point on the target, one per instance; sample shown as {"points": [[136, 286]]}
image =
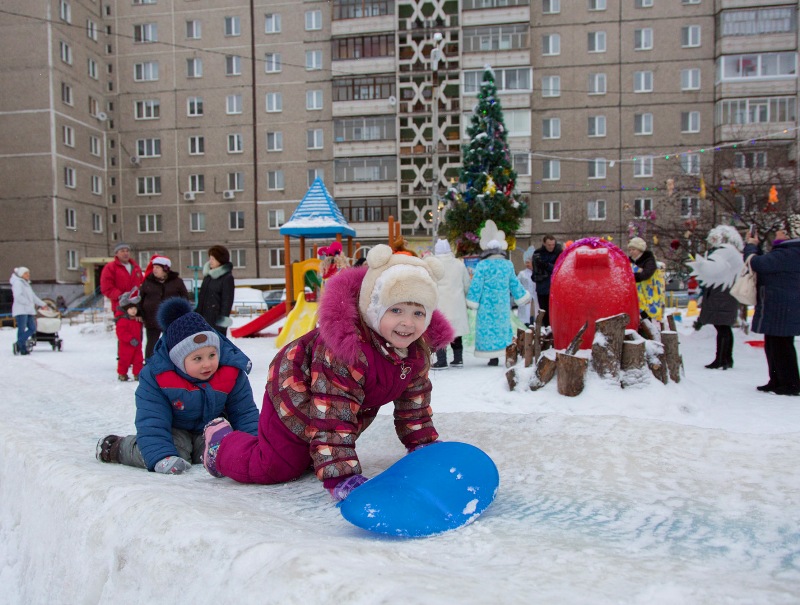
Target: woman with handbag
{"points": [[777, 313]]}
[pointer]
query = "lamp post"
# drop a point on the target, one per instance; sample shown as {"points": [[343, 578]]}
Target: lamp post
{"points": [[436, 56]]}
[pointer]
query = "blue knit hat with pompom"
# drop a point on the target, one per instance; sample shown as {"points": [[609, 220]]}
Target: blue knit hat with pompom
{"points": [[184, 330]]}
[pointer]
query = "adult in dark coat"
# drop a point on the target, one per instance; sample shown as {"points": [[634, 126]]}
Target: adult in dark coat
{"points": [[160, 283], [544, 262], [215, 300], [777, 312]]}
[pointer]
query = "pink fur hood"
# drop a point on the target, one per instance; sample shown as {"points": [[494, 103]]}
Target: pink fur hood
{"points": [[340, 326]]}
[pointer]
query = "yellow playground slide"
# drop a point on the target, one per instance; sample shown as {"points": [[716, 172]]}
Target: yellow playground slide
{"points": [[301, 320]]}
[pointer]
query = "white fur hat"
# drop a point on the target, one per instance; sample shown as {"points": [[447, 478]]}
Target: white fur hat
{"points": [[20, 271], [442, 247], [398, 278], [637, 243]]}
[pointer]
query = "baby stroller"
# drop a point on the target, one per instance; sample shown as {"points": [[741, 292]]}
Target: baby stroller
{"points": [[48, 323]]}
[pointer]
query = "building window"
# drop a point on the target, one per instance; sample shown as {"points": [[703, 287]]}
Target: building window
{"points": [[772, 20], [94, 146], [492, 37], [596, 210], [642, 207], [97, 223], [233, 65], [369, 169], [690, 163], [277, 258], [66, 94], [197, 183], [197, 145], [236, 220], [690, 36], [597, 5], [551, 170], [239, 258], [148, 148], [275, 219], [274, 102], [272, 23], [597, 84], [765, 65], [643, 39], [148, 185], [94, 106], [145, 72], [377, 128], [313, 20], [71, 219], [643, 4], [194, 107], [272, 63], [197, 222], [68, 136], [690, 79], [199, 257], [643, 123], [643, 81], [508, 79], [72, 260], [313, 99], [313, 60], [643, 167], [521, 163], [97, 185], [275, 180], [194, 30], [91, 30], [194, 68], [145, 33], [312, 174], [233, 104], [147, 110], [754, 159], [65, 50], [70, 177], [551, 211], [597, 126], [597, 42], [551, 45], [236, 181], [757, 111], [551, 128], [360, 47], [690, 207], [233, 26], [551, 86], [368, 88], [314, 138], [235, 143], [551, 7], [690, 121], [597, 168], [65, 11], [150, 223], [275, 141]]}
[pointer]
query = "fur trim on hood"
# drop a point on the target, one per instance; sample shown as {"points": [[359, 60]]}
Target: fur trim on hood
{"points": [[340, 324]]}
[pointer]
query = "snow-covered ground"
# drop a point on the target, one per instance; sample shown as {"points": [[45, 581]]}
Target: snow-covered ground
{"points": [[679, 494]]}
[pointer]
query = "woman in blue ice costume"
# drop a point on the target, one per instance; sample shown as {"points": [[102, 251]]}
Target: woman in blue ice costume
{"points": [[492, 282]]}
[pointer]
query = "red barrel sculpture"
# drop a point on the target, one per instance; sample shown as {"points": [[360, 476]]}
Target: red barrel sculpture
{"points": [[592, 280]]}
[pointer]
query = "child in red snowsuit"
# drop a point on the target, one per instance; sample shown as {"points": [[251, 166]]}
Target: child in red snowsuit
{"points": [[129, 333]]}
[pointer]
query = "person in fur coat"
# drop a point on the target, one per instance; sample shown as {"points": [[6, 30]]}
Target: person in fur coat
{"points": [[493, 281], [215, 300], [377, 325], [453, 288]]}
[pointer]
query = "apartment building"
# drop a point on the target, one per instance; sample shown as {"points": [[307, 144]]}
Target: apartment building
{"points": [[178, 124]]}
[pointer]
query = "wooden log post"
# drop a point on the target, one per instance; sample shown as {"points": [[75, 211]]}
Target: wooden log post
{"points": [[672, 355], [656, 361], [537, 334], [512, 354], [633, 352], [609, 337], [575, 345], [511, 377], [671, 322], [545, 370], [571, 374], [528, 348]]}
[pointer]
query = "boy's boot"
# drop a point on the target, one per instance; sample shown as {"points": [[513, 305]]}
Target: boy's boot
{"points": [[441, 359], [107, 449]]}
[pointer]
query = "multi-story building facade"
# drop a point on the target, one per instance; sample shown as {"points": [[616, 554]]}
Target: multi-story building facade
{"points": [[175, 125]]}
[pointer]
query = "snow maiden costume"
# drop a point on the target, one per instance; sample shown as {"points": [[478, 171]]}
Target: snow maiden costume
{"points": [[325, 388], [489, 291]]}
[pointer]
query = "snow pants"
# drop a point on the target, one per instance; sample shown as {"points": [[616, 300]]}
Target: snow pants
{"points": [[129, 355], [275, 455], [189, 445]]}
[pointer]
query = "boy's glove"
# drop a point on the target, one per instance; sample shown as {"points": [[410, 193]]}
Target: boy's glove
{"points": [[341, 490], [134, 342], [172, 465]]}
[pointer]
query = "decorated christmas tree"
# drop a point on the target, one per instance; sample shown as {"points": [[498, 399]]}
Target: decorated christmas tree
{"points": [[486, 181]]}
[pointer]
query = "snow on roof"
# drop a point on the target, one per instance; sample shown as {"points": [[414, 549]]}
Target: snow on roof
{"points": [[317, 215]]}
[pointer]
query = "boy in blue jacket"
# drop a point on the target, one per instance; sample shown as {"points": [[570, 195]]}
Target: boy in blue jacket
{"points": [[194, 376]]}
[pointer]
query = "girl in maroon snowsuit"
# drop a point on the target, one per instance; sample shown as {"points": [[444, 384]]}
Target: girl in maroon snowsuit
{"points": [[129, 335], [377, 326]]}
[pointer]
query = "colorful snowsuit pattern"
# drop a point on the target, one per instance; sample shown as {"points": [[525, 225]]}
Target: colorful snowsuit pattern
{"points": [[326, 387], [167, 398], [130, 355], [492, 282], [650, 285]]}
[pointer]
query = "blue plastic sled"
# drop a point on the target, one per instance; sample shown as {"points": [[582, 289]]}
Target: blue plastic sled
{"points": [[435, 489]]}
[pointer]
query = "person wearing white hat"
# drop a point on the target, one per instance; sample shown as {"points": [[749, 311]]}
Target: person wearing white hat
{"points": [[160, 283], [23, 309], [453, 288]]}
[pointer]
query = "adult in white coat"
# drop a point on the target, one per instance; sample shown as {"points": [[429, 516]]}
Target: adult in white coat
{"points": [[24, 307], [453, 288]]}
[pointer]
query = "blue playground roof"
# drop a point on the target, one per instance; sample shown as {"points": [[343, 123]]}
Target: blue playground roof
{"points": [[317, 215]]}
